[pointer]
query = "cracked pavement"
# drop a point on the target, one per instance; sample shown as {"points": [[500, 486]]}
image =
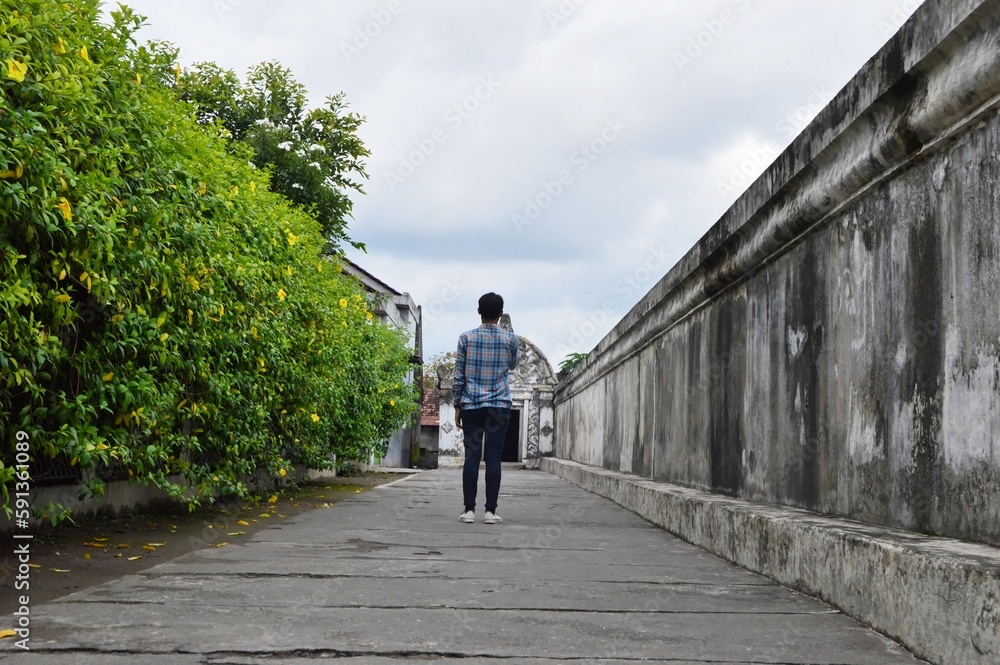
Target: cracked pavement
{"points": [[392, 576]]}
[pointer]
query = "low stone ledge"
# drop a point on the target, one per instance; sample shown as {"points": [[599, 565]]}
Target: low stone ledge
{"points": [[938, 597]]}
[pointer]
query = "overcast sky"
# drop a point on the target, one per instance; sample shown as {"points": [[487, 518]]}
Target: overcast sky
{"points": [[563, 154]]}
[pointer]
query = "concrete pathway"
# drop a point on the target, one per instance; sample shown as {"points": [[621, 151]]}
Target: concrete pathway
{"points": [[392, 576]]}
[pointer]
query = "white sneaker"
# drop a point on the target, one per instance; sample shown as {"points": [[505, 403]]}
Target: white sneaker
{"points": [[492, 518], [468, 517]]}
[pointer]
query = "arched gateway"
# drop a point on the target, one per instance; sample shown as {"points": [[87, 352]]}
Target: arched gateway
{"points": [[529, 435]]}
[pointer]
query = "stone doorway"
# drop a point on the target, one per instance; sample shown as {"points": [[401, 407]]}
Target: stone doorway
{"points": [[512, 442]]}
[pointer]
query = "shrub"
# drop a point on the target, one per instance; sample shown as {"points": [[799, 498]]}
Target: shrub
{"points": [[162, 311]]}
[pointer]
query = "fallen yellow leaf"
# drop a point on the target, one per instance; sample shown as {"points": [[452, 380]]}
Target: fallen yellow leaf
{"points": [[157, 544], [243, 523], [94, 545], [236, 533], [149, 548], [273, 499], [222, 544], [7, 632], [122, 546], [264, 515], [134, 558], [86, 557], [34, 565], [101, 539], [118, 556], [59, 570]]}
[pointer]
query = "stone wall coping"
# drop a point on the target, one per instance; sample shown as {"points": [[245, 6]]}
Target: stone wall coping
{"points": [[913, 94]]}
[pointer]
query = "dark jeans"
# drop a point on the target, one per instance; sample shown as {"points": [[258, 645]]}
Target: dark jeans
{"points": [[483, 427]]}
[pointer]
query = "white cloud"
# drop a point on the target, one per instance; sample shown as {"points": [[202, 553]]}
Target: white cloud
{"points": [[754, 76]]}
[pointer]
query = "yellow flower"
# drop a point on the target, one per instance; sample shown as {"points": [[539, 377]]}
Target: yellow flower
{"points": [[392, 402], [107, 377], [292, 238], [315, 418], [253, 186], [343, 302], [282, 473], [16, 70], [61, 298], [281, 295], [369, 316], [65, 208], [138, 78], [84, 54], [14, 173], [60, 47]]}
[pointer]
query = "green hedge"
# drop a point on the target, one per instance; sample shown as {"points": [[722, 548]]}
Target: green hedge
{"points": [[160, 309]]}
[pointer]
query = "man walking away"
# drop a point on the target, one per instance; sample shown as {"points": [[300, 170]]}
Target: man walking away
{"points": [[482, 402]]}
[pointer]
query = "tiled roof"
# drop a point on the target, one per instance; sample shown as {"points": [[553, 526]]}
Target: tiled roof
{"points": [[429, 410]]}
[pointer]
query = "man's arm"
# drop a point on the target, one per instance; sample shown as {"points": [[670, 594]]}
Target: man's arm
{"points": [[458, 380], [513, 352]]}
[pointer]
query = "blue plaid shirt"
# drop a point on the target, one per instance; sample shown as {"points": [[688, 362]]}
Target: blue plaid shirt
{"points": [[484, 357]]}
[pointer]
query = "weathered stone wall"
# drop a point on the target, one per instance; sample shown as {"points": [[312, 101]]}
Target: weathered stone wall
{"points": [[833, 342]]}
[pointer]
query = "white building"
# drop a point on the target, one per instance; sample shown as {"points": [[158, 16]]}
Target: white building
{"points": [[397, 309]]}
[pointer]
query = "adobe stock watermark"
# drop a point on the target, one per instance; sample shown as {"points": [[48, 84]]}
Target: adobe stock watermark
{"points": [[22, 538], [581, 160], [364, 35], [563, 12], [224, 7], [760, 156], [712, 30], [448, 295], [453, 118], [638, 280], [889, 25]]}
